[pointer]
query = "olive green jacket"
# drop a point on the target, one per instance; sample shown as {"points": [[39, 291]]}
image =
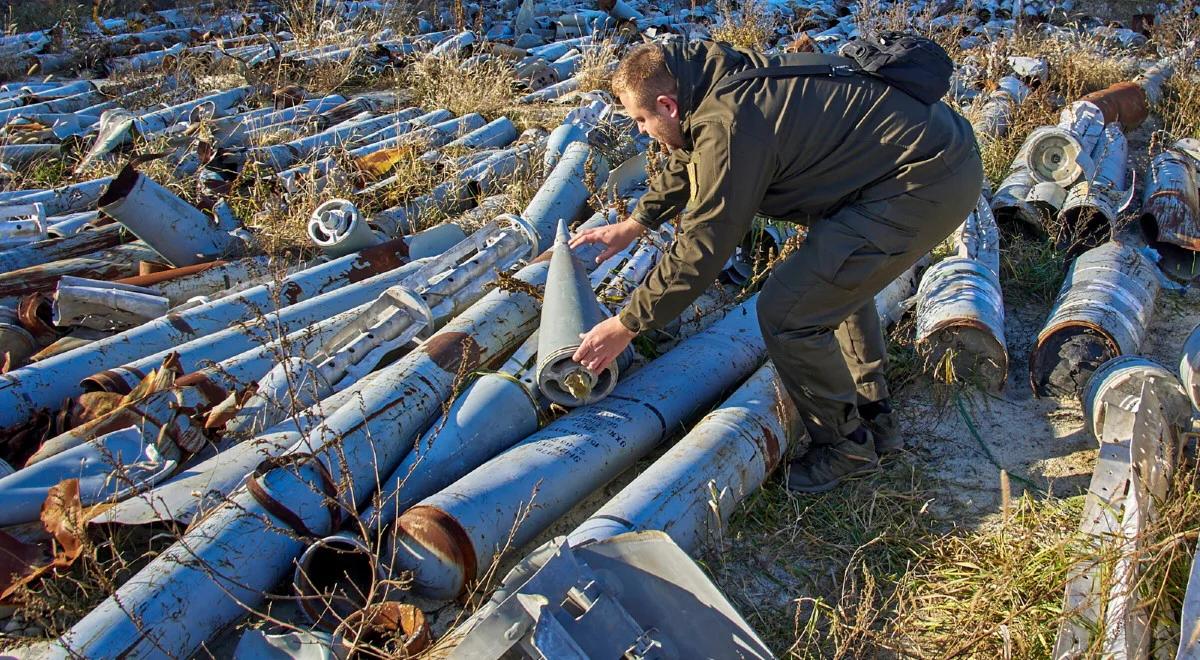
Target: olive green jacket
{"points": [[793, 148]]}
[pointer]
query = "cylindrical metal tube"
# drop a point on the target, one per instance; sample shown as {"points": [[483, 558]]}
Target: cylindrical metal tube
{"points": [[390, 136], [54, 249], [264, 327], [63, 104], [215, 277], [552, 92], [1091, 206], [496, 133], [16, 343], [66, 199], [1138, 413], [338, 228], [23, 155], [565, 191], [318, 580], [186, 237], [1124, 103], [997, 111], [1189, 367], [692, 489], [1102, 311], [123, 452], [960, 309], [283, 156], [205, 485], [1123, 377], [105, 308], [1170, 220], [377, 158], [160, 120], [495, 411], [454, 44], [392, 321], [117, 261], [237, 129], [1062, 154], [61, 226]]}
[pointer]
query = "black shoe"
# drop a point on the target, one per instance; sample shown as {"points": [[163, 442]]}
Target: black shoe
{"points": [[879, 418], [826, 466]]}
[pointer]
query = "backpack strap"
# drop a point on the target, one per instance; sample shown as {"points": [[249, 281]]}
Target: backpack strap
{"points": [[822, 65]]}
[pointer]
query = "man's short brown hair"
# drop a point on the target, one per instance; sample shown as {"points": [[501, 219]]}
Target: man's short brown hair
{"points": [[643, 74]]}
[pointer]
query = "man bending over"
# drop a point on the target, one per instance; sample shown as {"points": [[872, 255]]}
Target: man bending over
{"points": [[878, 177]]}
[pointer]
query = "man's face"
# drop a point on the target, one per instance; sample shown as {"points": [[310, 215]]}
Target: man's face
{"points": [[660, 120]]}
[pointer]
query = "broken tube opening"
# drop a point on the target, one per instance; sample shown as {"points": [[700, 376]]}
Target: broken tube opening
{"points": [[972, 352], [1064, 361], [334, 578], [119, 187], [116, 381], [1176, 261], [565, 382], [1083, 228]]}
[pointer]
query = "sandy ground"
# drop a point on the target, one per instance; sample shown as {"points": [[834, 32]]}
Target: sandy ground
{"points": [[1042, 440]]}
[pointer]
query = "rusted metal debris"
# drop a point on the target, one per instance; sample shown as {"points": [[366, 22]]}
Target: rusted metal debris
{"points": [[1170, 219], [404, 397], [357, 359]]}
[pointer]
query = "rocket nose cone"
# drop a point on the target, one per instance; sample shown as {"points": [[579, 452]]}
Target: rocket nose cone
{"points": [[563, 236]]}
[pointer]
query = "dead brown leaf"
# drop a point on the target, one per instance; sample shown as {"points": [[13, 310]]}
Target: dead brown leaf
{"points": [[63, 517]]}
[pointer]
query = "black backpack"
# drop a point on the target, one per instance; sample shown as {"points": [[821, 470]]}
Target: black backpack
{"points": [[915, 65]]}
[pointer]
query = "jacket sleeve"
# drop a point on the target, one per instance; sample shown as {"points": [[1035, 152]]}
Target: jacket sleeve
{"points": [[731, 172], [667, 194]]}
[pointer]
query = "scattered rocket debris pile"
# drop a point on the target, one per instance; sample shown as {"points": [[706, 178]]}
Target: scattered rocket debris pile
{"points": [[369, 416]]}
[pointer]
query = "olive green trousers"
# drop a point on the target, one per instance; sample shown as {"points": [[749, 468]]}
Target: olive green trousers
{"points": [[817, 309]]}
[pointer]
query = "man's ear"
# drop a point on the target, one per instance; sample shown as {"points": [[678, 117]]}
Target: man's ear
{"points": [[667, 105]]}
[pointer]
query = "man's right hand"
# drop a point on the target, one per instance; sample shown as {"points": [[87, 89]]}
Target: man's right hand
{"points": [[614, 237]]}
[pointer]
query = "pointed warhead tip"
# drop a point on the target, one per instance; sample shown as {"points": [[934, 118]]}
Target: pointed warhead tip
{"points": [[563, 236]]}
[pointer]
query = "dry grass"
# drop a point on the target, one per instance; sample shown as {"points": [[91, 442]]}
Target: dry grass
{"points": [[1180, 106], [816, 562], [750, 25], [593, 71], [24, 16], [107, 560], [869, 571], [998, 591], [482, 87], [1032, 270]]}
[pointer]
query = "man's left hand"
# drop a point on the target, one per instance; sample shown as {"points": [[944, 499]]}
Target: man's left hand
{"points": [[602, 344]]}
